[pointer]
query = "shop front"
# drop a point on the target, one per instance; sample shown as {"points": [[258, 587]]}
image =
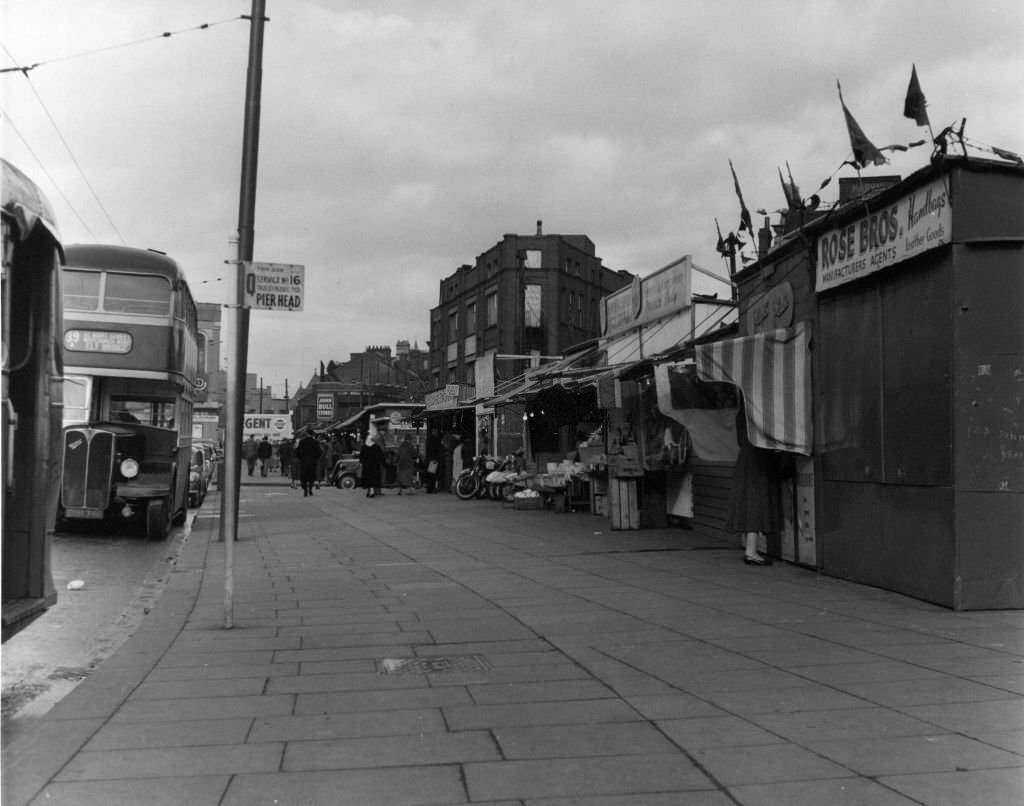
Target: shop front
{"points": [[919, 366]]}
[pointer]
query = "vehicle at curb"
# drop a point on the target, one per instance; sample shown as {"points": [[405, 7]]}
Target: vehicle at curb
{"points": [[30, 417], [131, 342]]}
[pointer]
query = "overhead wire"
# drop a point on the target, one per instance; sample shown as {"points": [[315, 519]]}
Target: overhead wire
{"points": [[42, 167], [25, 69]]}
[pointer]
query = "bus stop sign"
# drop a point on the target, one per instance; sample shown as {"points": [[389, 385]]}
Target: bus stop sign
{"points": [[274, 286]]}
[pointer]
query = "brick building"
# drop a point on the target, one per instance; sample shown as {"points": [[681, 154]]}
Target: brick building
{"points": [[527, 294]]}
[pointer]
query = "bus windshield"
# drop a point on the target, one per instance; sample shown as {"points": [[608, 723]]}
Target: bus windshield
{"points": [[116, 292]]}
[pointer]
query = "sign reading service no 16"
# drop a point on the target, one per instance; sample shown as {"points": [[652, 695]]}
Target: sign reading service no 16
{"points": [[274, 286]]}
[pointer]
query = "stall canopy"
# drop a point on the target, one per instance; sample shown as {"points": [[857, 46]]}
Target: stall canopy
{"points": [[773, 371]]}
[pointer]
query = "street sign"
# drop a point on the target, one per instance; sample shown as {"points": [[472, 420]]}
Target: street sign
{"points": [[274, 286]]}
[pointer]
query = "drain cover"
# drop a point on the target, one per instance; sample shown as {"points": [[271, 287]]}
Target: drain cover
{"points": [[457, 663]]}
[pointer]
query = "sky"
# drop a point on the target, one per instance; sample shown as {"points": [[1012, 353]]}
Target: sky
{"points": [[399, 140]]}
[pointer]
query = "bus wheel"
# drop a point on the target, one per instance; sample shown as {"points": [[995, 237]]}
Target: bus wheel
{"points": [[158, 521]]}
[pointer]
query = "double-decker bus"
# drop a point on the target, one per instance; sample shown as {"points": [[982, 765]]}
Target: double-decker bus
{"points": [[131, 346], [31, 406]]}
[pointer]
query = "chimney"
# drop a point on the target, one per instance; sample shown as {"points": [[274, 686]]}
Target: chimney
{"points": [[540, 227]]}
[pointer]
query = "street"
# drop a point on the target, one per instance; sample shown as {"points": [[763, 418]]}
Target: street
{"points": [[121, 574]]}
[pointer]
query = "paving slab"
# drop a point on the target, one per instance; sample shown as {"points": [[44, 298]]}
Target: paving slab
{"points": [[423, 650]]}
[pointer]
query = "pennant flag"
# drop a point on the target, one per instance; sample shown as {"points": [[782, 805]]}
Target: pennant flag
{"points": [[720, 246], [864, 151], [914, 106], [790, 190], [745, 220]]}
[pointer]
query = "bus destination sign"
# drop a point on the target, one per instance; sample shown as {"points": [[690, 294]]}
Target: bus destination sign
{"points": [[98, 341], [274, 286]]}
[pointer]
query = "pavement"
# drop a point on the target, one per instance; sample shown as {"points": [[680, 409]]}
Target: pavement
{"points": [[419, 649]]}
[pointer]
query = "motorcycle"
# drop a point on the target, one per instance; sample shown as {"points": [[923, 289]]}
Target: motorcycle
{"points": [[471, 482]]}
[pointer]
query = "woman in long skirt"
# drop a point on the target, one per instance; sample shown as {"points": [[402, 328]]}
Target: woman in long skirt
{"points": [[755, 507]]}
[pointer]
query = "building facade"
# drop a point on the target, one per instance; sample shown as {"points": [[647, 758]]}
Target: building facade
{"points": [[526, 295]]}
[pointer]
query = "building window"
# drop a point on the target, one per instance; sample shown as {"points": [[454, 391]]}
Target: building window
{"points": [[531, 305], [453, 326], [471, 374], [471, 318], [492, 308], [532, 259]]}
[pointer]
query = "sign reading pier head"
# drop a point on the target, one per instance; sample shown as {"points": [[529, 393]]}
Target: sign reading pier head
{"points": [[274, 286]]}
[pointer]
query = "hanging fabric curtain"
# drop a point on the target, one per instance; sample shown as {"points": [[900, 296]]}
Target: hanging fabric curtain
{"points": [[773, 371]]}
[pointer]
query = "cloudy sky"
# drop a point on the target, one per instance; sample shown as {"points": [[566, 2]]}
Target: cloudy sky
{"points": [[401, 139]]}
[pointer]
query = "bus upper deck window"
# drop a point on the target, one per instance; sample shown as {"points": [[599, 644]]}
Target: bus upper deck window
{"points": [[81, 290], [136, 293]]}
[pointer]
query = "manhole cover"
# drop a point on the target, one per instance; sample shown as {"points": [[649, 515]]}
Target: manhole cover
{"points": [[458, 663]]}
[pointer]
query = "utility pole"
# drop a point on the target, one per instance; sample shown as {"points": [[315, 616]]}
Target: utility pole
{"points": [[236, 374]]}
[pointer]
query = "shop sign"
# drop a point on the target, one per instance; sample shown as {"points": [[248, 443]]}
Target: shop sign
{"points": [[275, 426], [666, 292], [447, 398], [772, 310], [913, 224], [620, 310]]}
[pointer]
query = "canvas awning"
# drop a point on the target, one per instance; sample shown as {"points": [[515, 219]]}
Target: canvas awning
{"points": [[773, 371]]}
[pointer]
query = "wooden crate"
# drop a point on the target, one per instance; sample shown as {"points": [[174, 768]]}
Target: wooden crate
{"points": [[623, 507]]}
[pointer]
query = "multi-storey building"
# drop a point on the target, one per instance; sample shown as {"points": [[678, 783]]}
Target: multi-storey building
{"points": [[526, 295]]}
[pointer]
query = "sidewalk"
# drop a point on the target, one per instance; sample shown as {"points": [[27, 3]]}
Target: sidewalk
{"points": [[425, 650]]}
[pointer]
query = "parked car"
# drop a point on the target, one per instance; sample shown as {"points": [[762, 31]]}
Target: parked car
{"points": [[201, 472], [345, 473]]}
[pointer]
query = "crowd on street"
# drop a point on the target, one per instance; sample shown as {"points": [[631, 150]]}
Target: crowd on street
{"points": [[310, 460]]}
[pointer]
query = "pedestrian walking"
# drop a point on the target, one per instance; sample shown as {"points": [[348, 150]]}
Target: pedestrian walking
{"points": [[263, 452], [407, 455], [284, 456], [371, 457], [250, 451], [755, 507], [307, 453], [433, 459]]}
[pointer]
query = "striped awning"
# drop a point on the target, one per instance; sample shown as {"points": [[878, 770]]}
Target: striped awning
{"points": [[773, 371]]}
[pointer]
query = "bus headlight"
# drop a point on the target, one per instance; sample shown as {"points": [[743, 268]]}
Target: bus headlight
{"points": [[129, 468]]}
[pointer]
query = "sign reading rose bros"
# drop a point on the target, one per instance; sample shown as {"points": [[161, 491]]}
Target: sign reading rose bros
{"points": [[913, 224]]}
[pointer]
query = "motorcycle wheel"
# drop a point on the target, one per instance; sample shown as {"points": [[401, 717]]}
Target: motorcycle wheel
{"points": [[466, 487]]}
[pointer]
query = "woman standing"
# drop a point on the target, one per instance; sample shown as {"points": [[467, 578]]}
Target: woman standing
{"points": [[371, 457], [755, 507]]}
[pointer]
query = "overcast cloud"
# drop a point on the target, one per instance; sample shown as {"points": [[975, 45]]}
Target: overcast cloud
{"points": [[399, 140]]}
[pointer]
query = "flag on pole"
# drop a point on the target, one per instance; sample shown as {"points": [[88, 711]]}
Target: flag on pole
{"points": [[915, 106], [790, 190], [864, 151], [745, 221]]}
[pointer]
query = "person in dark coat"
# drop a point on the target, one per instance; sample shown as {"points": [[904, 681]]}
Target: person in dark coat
{"points": [[307, 452], [263, 452], [755, 506], [371, 457], [407, 456], [433, 459], [284, 454]]}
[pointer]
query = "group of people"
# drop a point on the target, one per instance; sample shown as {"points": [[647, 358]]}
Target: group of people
{"points": [[373, 462]]}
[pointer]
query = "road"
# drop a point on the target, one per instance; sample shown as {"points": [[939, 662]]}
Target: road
{"points": [[121, 575]]}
